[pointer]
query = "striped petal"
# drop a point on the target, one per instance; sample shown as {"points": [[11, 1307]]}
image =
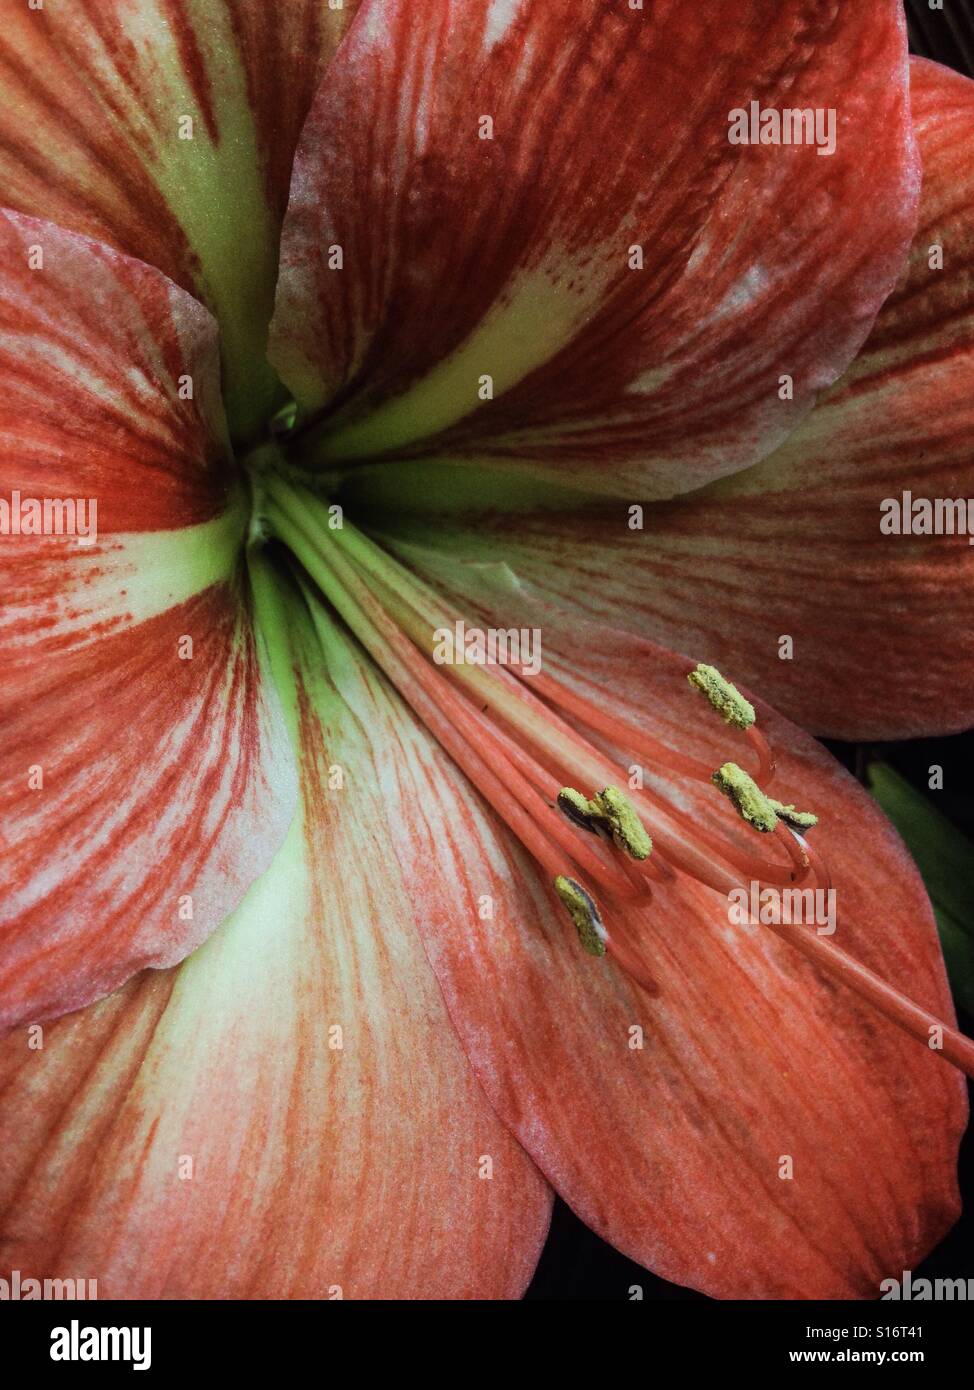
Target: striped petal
{"points": [[519, 234], [167, 128], [145, 776], [287, 1114], [752, 1130], [881, 626]]}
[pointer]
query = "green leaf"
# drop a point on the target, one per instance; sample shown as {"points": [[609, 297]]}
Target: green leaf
{"points": [[945, 858]]}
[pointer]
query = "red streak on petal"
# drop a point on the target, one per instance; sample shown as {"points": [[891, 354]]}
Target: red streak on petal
{"points": [[154, 787], [194, 66]]}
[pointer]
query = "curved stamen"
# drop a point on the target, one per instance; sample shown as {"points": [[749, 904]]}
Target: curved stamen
{"points": [[816, 862], [430, 606], [618, 731], [767, 765], [518, 781], [798, 852], [563, 748], [550, 737], [569, 752], [587, 919], [611, 813]]}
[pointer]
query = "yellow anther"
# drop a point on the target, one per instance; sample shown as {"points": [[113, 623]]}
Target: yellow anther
{"points": [[628, 832], [584, 913], [726, 699], [747, 796]]}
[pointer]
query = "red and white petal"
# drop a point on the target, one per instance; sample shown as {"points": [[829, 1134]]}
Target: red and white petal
{"points": [[145, 771], [420, 259], [667, 1123], [167, 129], [881, 626], [288, 1114]]}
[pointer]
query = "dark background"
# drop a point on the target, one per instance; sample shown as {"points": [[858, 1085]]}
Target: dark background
{"points": [[578, 1265]]}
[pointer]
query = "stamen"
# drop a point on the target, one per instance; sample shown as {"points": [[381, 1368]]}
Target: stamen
{"points": [[518, 770], [747, 796], [596, 940], [418, 610], [816, 863], [618, 731], [584, 913], [532, 723], [457, 725], [726, 699]]}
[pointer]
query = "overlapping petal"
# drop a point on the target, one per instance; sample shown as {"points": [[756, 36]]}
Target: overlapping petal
{"points": [[167, 129], [478, 180], [754, 1130], [145, 773], [881, 626], [287, 1114]]}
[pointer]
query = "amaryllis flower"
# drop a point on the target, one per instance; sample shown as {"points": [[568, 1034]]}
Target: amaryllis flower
{"points": [[476, 316]]}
